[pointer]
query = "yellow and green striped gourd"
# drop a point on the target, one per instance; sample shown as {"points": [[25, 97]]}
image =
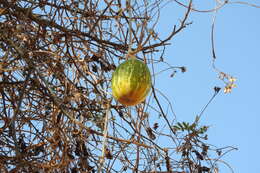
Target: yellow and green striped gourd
{"points": [[131, 82]]}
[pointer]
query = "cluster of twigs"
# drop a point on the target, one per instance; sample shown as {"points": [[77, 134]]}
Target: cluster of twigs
{"points": [[57, 58]]}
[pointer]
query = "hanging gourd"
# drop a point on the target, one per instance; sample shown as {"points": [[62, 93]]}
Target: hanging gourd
{"points": [[131, 82]]}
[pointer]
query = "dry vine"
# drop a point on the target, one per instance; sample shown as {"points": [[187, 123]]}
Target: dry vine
{"points": [[57, 58]]}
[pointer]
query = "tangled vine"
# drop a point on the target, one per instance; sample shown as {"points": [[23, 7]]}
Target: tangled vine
{"points": [[57, 113]]}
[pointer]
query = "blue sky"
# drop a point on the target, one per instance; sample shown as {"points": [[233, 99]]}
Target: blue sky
{"points": [[233, 118]]}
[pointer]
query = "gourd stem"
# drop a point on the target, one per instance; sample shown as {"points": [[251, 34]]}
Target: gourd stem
{"points": [[130, 53]]}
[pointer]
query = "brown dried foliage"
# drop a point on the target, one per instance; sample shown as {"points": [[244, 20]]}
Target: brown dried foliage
{"points": [[56, 62]]}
